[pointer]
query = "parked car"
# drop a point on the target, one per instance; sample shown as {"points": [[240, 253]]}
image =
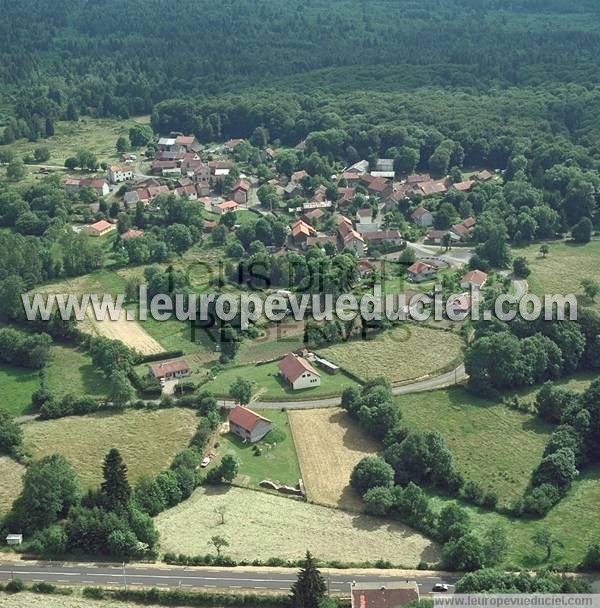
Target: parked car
{"points": [[440, 588], [205, 462]]}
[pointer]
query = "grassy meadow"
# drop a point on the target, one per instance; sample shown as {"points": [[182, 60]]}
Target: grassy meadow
{"points": [[277, 526], [71, 370], [563, 269], [493, 445], [404, 353], [85, 440], [17, 384]]}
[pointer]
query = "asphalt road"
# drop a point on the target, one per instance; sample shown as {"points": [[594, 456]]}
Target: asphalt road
{"points": [[197, 578]]}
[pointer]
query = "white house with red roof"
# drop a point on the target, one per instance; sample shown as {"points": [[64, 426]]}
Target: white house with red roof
{"points": [[421, 271], [298, 372], [248, 425]]}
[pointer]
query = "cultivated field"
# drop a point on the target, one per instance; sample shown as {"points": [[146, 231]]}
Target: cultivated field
{"points": [[260, 525], [11, 475], [85, 440], [404, 353], [493, 445], [16, 387], [130, 333], [329, 444], [33, 600]]}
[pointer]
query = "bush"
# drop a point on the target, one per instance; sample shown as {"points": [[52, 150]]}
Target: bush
{"points": [[15, 586], [43, 588], [541, 499], [94, 593]]}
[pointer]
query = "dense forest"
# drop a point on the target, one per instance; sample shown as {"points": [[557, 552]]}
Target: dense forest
{"points": [[114, 58]]}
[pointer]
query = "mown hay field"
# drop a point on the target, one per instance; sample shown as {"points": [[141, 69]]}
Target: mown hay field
{"points": [[11, 482], [259, 525], [147, 440], [329, 444], [404, 353], [33, 600]]}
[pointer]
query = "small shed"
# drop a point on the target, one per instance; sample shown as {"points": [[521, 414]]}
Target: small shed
{"points": [[14, 539]]}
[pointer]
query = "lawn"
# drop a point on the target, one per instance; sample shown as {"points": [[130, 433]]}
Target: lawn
{"points": [[270, 387], [563, 269], [71, 371], [16, 387], [404, 353], [11, 476], [277, 461], [329, 444], [259, 525], [493, 445], [85, 440]]}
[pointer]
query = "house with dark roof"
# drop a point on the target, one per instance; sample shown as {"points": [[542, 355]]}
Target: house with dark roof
{"points": [[298, 372], [248, 425]]}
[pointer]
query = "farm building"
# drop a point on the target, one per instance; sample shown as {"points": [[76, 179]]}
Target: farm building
{"points": [[378, 595], [247, 424], [170, 370], [99, 228], [298, 372]]}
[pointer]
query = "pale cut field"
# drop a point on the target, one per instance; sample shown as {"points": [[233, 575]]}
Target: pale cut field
{"points": [[147, 440], [260, 525], [130, 333], [11, 482], [33, 600], [408, 352], [329, 444]]}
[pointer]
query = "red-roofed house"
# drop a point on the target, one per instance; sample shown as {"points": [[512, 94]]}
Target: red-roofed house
{"points": [[298, 372], [383, 595], [301, 231], [170, 369], [186, 143], [247, 424], [99, 228], [475, 278], [421, 271], [225, 207]]}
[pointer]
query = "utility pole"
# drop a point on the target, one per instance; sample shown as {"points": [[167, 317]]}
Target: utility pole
{"points": [[124, 576]]}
